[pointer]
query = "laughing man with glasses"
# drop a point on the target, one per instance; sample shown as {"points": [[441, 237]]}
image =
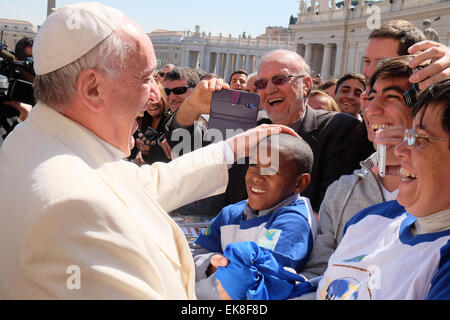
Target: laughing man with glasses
{"points": [[338, 143]]}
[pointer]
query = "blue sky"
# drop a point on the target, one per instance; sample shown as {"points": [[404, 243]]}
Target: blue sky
{"points": [[229, 16]]}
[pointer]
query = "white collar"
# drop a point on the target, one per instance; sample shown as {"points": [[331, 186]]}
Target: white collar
{"points": [[77, 138], [432, 223]]}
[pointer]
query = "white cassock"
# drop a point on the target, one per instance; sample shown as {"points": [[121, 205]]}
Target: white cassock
{"points": [[77, 222]]}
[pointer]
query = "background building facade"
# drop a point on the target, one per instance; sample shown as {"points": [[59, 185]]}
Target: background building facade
{"points": [[12, 31], [332, 36], [219, 54]]}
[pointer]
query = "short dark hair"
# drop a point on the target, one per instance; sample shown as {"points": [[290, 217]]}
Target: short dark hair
{"points": [[297, 148], [208, 76], [23, 43], [397, 67], [404, 31], [183, 73], [240, 71], [391, 68], [327, 84], [200, 72], [437, 94], [350, 75]]}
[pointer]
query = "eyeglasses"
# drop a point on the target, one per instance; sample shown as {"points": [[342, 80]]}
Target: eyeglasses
{"points": [[278, 80], [177, 90], [411, 135]]}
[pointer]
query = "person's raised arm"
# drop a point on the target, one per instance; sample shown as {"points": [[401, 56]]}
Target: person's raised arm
{"points": [[199, 101], [439, 69]]}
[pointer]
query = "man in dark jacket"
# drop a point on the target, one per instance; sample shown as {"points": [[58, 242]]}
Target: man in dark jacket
{"points": [[337, 139]]}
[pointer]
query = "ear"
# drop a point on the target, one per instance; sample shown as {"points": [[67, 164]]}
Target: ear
{"points": [[307, 86], [90, 86], [302, 182]]}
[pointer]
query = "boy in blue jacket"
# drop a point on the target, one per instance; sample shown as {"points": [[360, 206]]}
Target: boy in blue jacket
{"points": [[274, 216]]}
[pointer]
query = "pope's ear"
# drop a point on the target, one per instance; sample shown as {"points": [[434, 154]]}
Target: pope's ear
{"points": [[90, 88]]}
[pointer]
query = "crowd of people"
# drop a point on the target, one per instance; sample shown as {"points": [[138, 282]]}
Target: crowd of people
{"points": [[13, 112], [103, 172]]}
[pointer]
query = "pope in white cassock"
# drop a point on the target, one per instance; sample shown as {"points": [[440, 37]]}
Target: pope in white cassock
{"points": [[76, 221]]}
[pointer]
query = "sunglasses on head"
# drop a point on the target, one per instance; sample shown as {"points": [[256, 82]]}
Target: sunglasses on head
{"points": [[177, 90], [277, 80]]}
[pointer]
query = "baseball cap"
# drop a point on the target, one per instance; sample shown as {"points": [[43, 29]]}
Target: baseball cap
{"points": [[72, 31]]}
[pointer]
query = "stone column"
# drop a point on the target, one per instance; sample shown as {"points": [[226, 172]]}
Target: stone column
{"points": [[308, 53], [205, 61], [187, 58], [217, 69], [339, 60], [197, 60], [248, 64], [326, 62], [257, 58], [301, 49], [228, 70], [202, 59], [351, 66], [51, 4], [241, 62], [234, 62]]}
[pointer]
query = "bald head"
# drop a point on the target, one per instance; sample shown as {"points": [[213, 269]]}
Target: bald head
{"points": [[291, 59], [283, 99], [139, 46]]}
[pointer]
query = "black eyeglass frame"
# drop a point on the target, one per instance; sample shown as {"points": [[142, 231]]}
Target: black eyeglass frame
{"points": [[176, 90]]}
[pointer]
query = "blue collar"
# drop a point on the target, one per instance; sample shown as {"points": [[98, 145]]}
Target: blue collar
{"points": [[406, 236], [249, 213]]}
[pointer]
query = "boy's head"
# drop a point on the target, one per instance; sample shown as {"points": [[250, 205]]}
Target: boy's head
{"points": [[282, 167]]}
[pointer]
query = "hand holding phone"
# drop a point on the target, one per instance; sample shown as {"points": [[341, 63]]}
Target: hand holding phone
{"points": [[232, 112], [381, 155]]}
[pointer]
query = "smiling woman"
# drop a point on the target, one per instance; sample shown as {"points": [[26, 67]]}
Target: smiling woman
{"points": [[425, 159]]}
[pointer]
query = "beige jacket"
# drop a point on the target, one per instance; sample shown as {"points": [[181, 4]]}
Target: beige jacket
{"points": [[77, 222]]}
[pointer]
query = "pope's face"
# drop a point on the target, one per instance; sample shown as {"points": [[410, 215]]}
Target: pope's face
{"points": [[128, 96]]}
